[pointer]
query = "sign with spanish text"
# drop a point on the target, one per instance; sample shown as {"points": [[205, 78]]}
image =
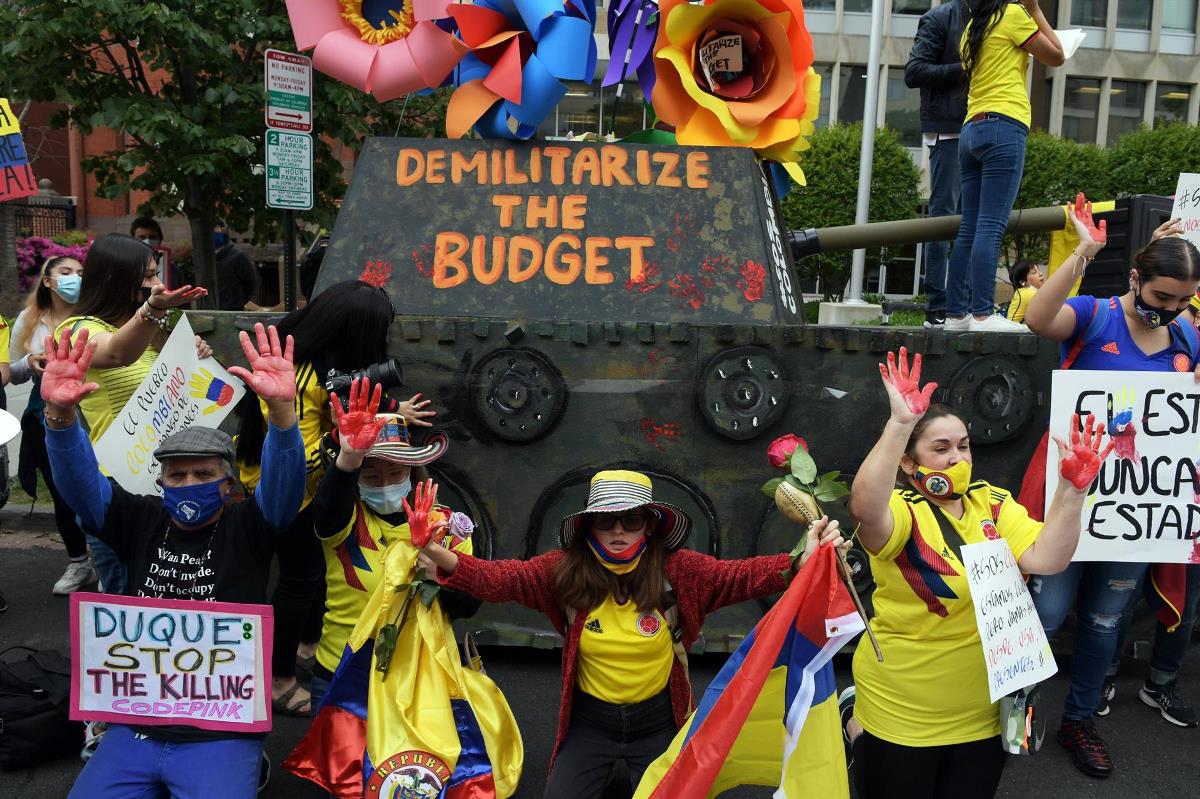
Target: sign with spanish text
{"points": [[180, 391], [287, 79], [1187, 205], [1144, 506], [16, 175], [1015, 648], [541, 229], [170, 661]]}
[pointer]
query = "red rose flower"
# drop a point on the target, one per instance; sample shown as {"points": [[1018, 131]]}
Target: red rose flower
{"points": [[781, 450]]}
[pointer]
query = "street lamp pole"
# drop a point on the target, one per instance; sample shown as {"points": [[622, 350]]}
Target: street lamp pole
{"points": [[858, 261]]}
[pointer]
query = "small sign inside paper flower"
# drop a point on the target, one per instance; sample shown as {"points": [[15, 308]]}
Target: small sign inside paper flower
{"points": [[723, 54]]}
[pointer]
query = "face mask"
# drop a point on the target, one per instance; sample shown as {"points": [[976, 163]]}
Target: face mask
{"points": [[219, 239], [945, 484], [67, 287], [1151, 315], [385, 499], [621, 562], [192, 505], [150, 242]]}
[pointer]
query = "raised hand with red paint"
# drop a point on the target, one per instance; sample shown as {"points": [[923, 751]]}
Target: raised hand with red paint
{"points": [[1080, 461], [907, 398], [66, 367], [357, 427], [1091, 238], [421, 528]]}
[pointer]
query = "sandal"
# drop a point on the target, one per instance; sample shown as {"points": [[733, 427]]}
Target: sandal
{"points": [[301, 708]]}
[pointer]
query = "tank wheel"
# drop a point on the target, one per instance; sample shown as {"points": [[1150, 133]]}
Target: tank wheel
{"points": [[995, 394], [518, 394], [742, 392]]}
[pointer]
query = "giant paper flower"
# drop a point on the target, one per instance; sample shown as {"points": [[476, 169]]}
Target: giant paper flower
{"points": [[521, 52], [632, 28], [386, 47], [738, 73]]}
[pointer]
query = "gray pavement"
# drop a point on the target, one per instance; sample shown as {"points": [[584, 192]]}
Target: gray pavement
{"points": [[1154, 759]]}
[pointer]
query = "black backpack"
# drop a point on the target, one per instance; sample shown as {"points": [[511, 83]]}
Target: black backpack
{"points": [[35, 694]]}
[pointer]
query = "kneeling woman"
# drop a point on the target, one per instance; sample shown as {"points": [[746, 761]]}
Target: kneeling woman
{"points": [[618, 590], [931, 730]]}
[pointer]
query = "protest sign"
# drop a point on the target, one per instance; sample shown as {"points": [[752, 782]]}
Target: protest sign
{"points": [[1145, 504], [1014, 645], [16, 176], [170, 661], [1187, 206], [180, 391]]}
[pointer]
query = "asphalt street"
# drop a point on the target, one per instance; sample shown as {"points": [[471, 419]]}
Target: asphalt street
{"points": [[1154, 759]]}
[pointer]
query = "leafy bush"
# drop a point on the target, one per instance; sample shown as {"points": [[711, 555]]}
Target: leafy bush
{"points": [[830, 198], [32, 252], [1149, 161]]}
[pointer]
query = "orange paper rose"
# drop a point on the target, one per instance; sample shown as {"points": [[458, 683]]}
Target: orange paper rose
{"points": [[738, 73]]}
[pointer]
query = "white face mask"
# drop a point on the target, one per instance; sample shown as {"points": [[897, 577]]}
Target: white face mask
{"points": [[385, 499]]}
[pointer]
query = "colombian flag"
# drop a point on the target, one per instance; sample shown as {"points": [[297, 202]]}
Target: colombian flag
{"points": [[770, 716]]}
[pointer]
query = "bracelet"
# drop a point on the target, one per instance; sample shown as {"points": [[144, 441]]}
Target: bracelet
{"points": [[59, 422], [1086, 259], [144, 313]]}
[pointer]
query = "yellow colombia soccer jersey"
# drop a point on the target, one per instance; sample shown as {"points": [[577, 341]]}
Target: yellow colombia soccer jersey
{"points": [[931, 688], [353, 559], [625, 654], [1020, 303], [998, 80], [5, 339], [116, 385]]}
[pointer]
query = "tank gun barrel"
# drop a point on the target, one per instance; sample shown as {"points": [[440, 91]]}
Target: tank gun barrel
{"points": [[910, 231]]}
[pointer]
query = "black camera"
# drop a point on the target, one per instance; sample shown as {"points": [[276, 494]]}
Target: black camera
{"points": [[385, 373]]}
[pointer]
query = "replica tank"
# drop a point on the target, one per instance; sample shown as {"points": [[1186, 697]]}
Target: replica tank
{"points": [[570, 307]]}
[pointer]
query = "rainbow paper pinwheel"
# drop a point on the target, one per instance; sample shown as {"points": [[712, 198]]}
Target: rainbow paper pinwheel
{"points": [[521, 52], [738, 73], [387, 47], [632, 28]]}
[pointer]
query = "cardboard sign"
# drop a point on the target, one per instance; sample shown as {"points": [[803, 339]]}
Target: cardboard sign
{"points": [[723, 54], [580, 230], [16, 176], [170, 661], [1187, 205], [1145, 504], [1014, 645], [180, 391]]}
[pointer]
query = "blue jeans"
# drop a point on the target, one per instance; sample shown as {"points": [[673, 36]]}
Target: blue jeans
{"points": [[1100, 592], [317, 690], [991, 155], [130, 766], [108, 566], [1169, 647], [945, 185]]}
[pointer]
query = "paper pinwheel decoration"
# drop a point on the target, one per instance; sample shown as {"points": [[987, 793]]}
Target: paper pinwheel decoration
{"points": [[521, 52], [738, 73], [386, 47], [632, 29]]}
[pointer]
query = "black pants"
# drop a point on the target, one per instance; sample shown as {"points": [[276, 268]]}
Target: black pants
{"points": [[884, 770], [299, 599], [601, 734], [64, 518]]}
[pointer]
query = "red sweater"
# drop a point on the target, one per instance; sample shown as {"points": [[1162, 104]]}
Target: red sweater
{"points": [[701, 584]]}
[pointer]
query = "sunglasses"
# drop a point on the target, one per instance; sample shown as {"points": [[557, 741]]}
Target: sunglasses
{"points": [[629, 521]]}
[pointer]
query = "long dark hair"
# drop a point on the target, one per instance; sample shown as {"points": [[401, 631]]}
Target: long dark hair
{"points": [[984, 16], [113, 273], [580, 581], [1170, 256], [345, 327]]}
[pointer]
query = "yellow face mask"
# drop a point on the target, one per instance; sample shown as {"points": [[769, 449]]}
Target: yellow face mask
{"points": [[943, 484]]}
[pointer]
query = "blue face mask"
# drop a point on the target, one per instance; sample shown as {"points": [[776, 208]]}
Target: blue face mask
{"points": [[67, 287], [219, 239], [195, 504], [385, 499]]}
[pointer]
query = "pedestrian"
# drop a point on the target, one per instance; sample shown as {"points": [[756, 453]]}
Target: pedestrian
{"points": [[237, 276], [923, 725], [996, 45], [629, 601], [147, 230], [1137, 331], [935, 67], [229, 545], [1027, 278], [49, 304]]}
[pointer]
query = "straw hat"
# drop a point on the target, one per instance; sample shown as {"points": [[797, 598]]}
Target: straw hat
{"points": [[615, 491], [395, 445]]}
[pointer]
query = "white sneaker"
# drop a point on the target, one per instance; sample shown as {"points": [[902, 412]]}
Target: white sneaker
{"points": [[78, 574], [954, 325], [996, 324]]}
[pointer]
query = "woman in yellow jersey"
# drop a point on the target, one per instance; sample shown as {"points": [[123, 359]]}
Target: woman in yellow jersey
{"points": [[996, 45], [928, 727], [1027, 278], [123, 307], [629, 601]]}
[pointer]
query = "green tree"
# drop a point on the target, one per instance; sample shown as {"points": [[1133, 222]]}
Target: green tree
{"points": [[830, 198], [1148, 161], [182, 81]]}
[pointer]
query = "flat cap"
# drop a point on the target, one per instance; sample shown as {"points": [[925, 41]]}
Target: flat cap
{"points": [[196, 442]]}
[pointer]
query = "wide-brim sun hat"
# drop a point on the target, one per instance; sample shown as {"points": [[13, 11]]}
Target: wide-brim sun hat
{"points": [[395, 445], [619, 490]]}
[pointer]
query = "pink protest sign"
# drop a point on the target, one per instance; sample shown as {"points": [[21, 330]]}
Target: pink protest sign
{"points": [[170, 661]]}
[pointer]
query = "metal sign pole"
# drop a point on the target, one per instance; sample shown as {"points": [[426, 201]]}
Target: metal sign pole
{"points": [[289, 261], [858, 262]]}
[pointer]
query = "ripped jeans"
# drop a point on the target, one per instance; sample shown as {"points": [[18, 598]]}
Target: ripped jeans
{"points": [[1104, 590]]}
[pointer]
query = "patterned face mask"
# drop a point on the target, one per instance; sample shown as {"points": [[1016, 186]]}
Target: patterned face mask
{"points": [[621, 562], [943, 484]]}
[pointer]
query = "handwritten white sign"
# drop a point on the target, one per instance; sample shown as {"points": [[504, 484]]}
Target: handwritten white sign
{"points": [[723, 54], [1014, 645], [1187, 205], [180, 391], [1145, 504]]}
